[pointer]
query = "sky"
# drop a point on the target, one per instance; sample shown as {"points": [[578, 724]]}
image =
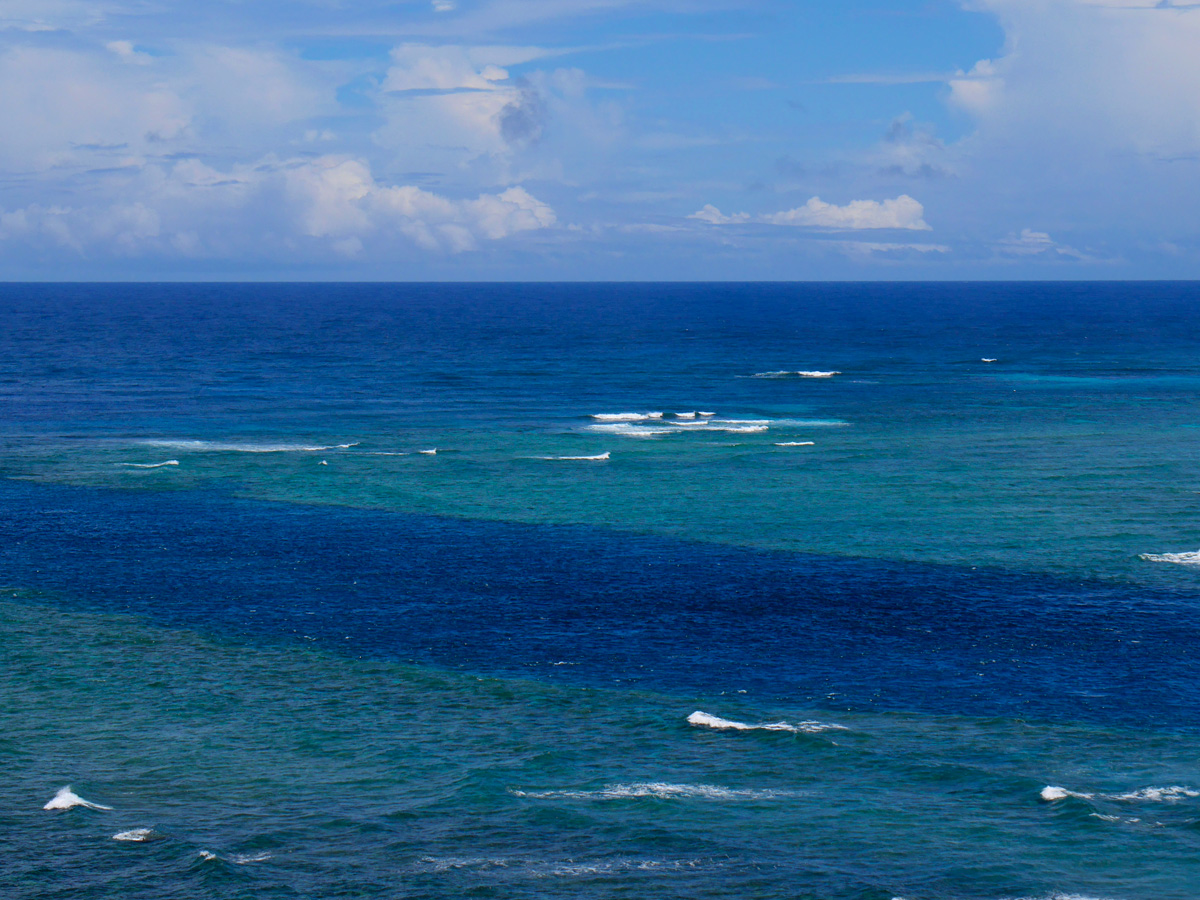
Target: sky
{"points": [[616, 140]]}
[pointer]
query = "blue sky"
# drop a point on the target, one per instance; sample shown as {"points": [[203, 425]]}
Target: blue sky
{"points": [[599, 139]]}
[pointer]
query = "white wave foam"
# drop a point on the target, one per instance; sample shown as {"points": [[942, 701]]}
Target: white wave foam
{"points": [[1051, 793], [707, 720], [598, 456], [627, 429], [1183, 559], [656, 789], [810, 423], [809, 373], [432, 452], [679, 426], [136, 835], [68, 799], [702, 413], [625, 417], [169, 462], [685, 415], [237, 447], [987, 359], [206, 855], [796, 444], [241, 859], [1172, 794], [739, 426]]}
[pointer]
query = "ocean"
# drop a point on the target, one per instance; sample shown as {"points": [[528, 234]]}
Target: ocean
{"points": [[815, 591]]}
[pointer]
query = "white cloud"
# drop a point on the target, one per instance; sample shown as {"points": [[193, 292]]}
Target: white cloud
{"points": [[126, 52], [902, 213], [339, 197], [417, 67], [872, 249], [69, 100], [1091, 75], [53, 15], [189, 208], [1035, 243], [714, 216]]}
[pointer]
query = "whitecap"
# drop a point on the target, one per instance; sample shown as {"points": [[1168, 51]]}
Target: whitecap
{"points": [[627, 429], [795, 444], [239, 447], [656, 789], [432, 452], [803, 373], [987, 359], [702, 413], [685, 415], [598, 457], [1171, 794], [707, 720], [242, 859], [68, 799], [169, 462], [136, 835], [738, 426], [625, 417], [810, 423], [1191, 558], [1051, 793], [206, 855]]}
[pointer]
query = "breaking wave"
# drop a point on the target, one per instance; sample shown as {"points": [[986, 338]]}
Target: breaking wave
{"points": [[1173, 794], [598, 457], [810, 373], [238, 447], [136, 835], [68, 799], [656, 789], [1183, 559], [707, 720]]}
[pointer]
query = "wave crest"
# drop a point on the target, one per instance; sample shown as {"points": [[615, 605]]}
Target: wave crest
{"points": [[706, 720], [659, 790], [68, 799], [1191, 558]]}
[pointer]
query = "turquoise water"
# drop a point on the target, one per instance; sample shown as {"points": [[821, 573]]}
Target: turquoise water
{"points": [[299, 657]]}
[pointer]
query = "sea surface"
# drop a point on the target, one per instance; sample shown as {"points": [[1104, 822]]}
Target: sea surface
{"points": [[816, 592]]}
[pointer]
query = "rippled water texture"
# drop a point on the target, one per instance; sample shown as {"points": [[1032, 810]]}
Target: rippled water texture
{"points": [[849, 592]]}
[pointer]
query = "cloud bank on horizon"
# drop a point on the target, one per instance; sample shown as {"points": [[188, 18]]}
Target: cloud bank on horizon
{"points": [[599, 139]]}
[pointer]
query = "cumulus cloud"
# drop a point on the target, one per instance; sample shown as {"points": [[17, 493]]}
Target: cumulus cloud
{"points": [[1107, 74], [339, 197], [192, 209], [903, 213]]}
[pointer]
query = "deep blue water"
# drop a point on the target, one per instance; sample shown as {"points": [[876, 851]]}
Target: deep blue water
{"points": [[621, 610], [409, 591]]}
